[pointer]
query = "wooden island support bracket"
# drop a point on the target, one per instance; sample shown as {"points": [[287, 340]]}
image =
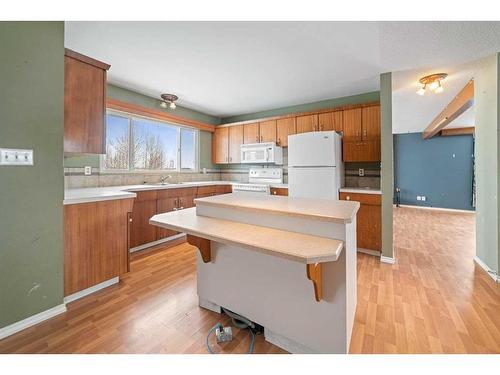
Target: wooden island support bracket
{"points": [[203, 245], [315, 275]]}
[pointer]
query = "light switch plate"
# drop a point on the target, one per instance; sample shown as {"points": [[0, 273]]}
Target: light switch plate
{"points": [[12, 156]]}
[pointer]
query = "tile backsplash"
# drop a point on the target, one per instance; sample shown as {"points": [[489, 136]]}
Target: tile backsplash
{"points": [[371, 178]]}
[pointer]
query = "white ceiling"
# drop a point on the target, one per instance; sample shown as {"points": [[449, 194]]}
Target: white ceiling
{"points": [[413, 113], [230, 68]]}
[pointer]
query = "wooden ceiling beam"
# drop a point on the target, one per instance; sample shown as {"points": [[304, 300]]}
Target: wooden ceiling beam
{"points": [[460, 103], [469, 130]]}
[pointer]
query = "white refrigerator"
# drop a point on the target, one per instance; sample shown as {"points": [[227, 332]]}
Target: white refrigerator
{"points": [[315, 168]]}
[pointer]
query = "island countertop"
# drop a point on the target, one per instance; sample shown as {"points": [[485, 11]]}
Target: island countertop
{"points": [[318, 209]]}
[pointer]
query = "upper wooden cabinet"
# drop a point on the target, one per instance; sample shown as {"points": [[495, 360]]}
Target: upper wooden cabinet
{"points": [[84, 104], [370, 118], [330, 121], [351, 124], [251, 133], [284, 128], [220, 145], [304, 124], [235, 141], [267, 131]]}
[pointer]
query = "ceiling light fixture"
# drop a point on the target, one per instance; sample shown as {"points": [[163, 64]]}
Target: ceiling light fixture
{"points": [[432, 81], [168, 100]]}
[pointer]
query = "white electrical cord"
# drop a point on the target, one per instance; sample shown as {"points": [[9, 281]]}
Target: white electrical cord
{"points": [[240, 322]]}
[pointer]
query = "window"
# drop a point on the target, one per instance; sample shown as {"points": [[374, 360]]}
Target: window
{"points": [[138, 144]]}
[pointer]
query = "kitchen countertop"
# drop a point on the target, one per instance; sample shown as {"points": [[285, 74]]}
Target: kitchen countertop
{"points": [[359, 190], [318, 209], [284, 244], [96, 194]]}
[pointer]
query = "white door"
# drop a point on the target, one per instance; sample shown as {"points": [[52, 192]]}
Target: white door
{"points": [[314, 149], [320, 183]]}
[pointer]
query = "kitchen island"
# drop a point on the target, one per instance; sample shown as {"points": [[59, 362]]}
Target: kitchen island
{"points": [[288, 264]]}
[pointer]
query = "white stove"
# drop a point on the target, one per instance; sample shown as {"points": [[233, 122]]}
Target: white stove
{"points": [[260, 180]]}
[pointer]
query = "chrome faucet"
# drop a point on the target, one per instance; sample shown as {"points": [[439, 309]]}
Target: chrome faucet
{"points": [[163, 179]]}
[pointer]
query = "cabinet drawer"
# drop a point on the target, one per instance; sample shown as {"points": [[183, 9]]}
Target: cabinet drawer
{"points": [[178, 192], [224, 189], [146, 195], [279, 191], [371, 199], [204, 190]]}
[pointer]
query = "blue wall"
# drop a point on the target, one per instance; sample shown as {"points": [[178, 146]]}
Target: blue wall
{"points": [[439, 168]]}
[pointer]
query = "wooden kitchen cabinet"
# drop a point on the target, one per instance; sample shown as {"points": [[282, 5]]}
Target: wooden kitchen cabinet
{"points": [[361, 129], [351, 125], [145, 206], [368, 221], [251, 133], [267, 131], [96, 243], [304, 124], [84, 104], [220, 145], [284, 128], [165, 204], [279, 191], [330, 121], [370, 119], [235, 142]]}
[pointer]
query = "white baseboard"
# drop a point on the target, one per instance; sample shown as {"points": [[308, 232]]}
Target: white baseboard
{"points": [[493, 274], [92, 289], [32, 320], [388, 260], [155, 243], [285, 343], [452, 210], [369, 251]]}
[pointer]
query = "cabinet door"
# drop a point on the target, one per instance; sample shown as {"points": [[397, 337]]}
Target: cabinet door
{"points": [[251, 133], [284, 128], [235, 141], [220, 146], [166, 205], [267, 130], [361, 151], [351, 124], [186, 201], [371, 123], [84, 107], [306, 124], [144, 207], [330, 121]]}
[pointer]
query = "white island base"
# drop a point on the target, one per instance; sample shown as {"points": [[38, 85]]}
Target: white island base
{"points": [[291, 270]]}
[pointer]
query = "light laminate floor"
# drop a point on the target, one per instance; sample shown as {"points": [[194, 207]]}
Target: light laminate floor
{"points": [[433, 300]]}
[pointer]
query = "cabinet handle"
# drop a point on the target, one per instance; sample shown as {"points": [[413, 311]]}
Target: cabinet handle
{"points": [[348, 198], [365, 133], [279, 142], [230, 158], [130, 220], [257, 139]]}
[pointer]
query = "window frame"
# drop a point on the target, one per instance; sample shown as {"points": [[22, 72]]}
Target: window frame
{"points": [[131, 170]]}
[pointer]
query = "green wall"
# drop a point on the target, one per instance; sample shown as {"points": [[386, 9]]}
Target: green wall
{"points": [[486, 102], [129, 96], [387, 163], [31, 116], [330, 103]]}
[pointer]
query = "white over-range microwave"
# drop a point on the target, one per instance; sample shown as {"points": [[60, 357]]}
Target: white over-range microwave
{"points": [[261, 153]]}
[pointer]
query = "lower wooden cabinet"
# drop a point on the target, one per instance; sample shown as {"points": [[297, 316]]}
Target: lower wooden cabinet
{"points": [[96, 243], [279, 191], [368, 221], [152, 202]]}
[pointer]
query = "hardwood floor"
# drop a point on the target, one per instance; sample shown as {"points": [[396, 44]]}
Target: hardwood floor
{"points": [[433, 300]]}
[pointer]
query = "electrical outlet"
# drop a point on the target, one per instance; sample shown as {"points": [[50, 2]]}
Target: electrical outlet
{"points": [[419, 198], [361, 172], [423, 198], [87, 170]]}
